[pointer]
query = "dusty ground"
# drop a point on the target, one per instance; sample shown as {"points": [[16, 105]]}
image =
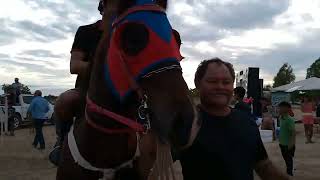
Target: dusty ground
{"points": [[19, 161]]}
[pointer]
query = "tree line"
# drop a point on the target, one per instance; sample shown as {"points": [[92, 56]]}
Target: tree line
{"points": [[285, 74]]}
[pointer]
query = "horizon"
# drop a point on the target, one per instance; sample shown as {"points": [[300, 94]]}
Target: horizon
{"points": [[36, 38]]}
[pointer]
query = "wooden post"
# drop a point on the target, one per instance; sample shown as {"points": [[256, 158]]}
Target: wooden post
{"points": [[4, 117], [6, 114]]}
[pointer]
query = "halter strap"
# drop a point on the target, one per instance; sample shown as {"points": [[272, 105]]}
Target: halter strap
{"points": [[132, 124], [109, 173], [146, 7]]}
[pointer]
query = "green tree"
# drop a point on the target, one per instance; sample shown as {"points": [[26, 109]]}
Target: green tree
{"points": [[314, 69], [284, 76], [8, 87]]}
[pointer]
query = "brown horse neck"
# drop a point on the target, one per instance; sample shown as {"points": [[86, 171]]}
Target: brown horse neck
{"points": [[110, 149]]}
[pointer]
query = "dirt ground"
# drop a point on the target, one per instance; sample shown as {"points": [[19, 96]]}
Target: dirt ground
{"points": [[19, 161]]}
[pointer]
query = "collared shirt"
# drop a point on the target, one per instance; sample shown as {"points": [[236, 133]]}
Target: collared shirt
{"points": [[39, 108], [287, 128]]}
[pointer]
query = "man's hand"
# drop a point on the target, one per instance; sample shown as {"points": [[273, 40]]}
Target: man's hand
{"points": [[290, 145], [292, 140], [267, 171]]}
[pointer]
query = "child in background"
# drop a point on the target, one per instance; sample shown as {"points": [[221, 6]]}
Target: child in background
{"points": [[287, 136]]}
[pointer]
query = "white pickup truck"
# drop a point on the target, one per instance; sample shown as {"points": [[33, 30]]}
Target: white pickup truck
{"points": [[22, 108]]}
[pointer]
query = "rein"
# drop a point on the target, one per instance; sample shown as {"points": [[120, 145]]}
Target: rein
{"points": [[94, 108], [143, 110]]}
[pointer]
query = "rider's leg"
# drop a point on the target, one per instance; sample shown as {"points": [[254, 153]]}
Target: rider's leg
{"points": [[66, 108]]}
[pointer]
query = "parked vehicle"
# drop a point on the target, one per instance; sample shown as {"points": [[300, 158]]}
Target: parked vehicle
{"points": [[21, 110]]}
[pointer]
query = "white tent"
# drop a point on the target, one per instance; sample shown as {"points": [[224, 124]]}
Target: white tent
{"points": [[304, 85]]}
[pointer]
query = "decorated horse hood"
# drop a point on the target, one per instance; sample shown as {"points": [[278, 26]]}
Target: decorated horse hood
{"points": [[160, 50]]}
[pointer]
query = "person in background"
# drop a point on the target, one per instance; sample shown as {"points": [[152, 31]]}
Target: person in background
{"points": [[287, 136], [317, 119], [239, 93], [39, 108], [16, 90], [228, 145], [308, 119], [267, 120], [11, 114]]}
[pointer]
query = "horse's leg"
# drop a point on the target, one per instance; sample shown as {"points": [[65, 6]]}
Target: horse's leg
{"points": [[69, 170]]}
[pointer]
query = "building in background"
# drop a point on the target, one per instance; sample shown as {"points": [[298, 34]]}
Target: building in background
{"points": [[250, 81]]}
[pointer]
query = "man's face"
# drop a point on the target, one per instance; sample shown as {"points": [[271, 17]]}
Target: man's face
{"points": [[216, 87], [236, 97], [283, 110]]}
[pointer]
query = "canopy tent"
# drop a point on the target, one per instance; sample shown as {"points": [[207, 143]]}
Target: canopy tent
{"points": [[304, 85]]}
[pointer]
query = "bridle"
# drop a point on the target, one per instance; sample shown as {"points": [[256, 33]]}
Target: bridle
{"points": [[143, 110], [140, 129]]}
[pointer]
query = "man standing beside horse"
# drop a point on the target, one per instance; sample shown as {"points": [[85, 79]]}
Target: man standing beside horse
{"points": [[228, 145]]}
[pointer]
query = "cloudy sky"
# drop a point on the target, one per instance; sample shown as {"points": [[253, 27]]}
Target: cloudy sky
{"points": [[36, 36]]}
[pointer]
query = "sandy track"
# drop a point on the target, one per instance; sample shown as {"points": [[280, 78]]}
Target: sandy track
{"points": [[19, 161]]}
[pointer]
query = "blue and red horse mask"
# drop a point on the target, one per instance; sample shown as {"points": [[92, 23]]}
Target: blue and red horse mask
{"points": [[161, 48]]}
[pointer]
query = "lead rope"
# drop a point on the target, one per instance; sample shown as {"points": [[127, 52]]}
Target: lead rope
{"points": [[108, 174], [163, 167]]}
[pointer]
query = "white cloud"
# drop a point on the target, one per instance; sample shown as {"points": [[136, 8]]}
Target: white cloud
{"points": [[264, 33], [260, 39], [19, 10]]}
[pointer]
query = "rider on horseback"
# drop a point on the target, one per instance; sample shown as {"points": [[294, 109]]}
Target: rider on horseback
{"points": [[72, 102]]}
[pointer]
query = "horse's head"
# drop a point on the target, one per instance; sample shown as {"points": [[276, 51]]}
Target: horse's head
{"points": [[144, 54], [143, 44]]}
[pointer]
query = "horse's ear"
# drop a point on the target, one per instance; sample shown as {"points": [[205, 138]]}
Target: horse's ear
{"points": [[134, 38], [177, 37]]}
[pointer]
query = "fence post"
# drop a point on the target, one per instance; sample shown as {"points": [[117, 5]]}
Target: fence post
{"points": [[4, 119]]}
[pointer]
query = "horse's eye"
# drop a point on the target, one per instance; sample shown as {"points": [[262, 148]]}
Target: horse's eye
{"points": [[134, 38]]}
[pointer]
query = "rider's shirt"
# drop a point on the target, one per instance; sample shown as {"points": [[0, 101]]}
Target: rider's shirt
{"points": [[86, 40]]}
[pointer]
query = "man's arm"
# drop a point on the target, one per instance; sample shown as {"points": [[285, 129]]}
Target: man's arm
{"points": [[292, 130], [267, 171], [48, 107], [77, 63], [78, 52], [30, 106]]}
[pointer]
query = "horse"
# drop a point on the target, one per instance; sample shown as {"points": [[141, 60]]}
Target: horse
{"points": [[134, 101]]}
